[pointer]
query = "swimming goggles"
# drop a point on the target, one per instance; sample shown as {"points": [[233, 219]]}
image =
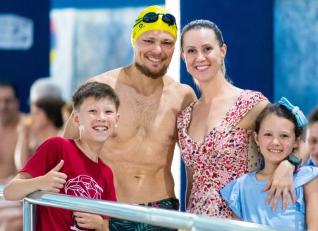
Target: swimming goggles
{"points": [[153, 17]]}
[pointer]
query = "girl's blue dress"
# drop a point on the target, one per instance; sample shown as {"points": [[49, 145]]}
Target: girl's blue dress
{"points": [[247, 199]]}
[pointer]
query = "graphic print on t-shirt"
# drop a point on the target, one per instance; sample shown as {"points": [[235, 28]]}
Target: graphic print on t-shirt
{"points": [[82, 186]]}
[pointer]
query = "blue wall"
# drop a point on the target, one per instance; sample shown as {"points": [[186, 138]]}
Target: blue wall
{"points": [[296, 52], [22, 67], [247, 28]]}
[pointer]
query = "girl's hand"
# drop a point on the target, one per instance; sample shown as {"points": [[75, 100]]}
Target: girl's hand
{"points": [[90, 221], [281, 185]]}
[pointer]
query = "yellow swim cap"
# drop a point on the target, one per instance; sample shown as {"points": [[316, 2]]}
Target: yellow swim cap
{"points": [[157, 19]]}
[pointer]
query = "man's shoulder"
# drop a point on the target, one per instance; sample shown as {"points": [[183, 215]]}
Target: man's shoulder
{"points": [[177, 86], [108, 77], [182, 92]]}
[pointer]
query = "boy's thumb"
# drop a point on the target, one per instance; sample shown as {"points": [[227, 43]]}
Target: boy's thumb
{"points": [[59, 166]]}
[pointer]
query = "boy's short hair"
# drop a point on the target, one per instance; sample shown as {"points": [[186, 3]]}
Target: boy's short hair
{"points": [[96, 90], [313, 116]]}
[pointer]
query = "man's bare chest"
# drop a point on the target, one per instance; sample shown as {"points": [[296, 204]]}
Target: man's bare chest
{"points": [[7, 144], [146, 119]]}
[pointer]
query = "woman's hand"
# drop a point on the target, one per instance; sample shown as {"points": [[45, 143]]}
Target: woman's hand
{"points": [[281, 185]]}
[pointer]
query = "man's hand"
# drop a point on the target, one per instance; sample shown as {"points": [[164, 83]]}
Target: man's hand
{"points": [[281, 185], [54, 180]]}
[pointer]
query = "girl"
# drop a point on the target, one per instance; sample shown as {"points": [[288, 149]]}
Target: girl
{"points": [[277, 133]]}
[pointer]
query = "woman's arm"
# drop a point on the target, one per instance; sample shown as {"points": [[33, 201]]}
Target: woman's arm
{"points": [[189, 184], [311, 199], [281, 185]]}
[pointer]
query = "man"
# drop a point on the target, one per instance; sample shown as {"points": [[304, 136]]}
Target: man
{"points": [[9, 118], [10, 212], [141, 150]]}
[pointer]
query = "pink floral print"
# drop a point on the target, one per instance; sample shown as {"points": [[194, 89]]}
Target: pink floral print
{"points": [[220, 158]]}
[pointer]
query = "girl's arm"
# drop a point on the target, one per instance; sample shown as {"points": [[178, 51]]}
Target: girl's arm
{"points": [[311, 199], [23, 184], [189, 184]]}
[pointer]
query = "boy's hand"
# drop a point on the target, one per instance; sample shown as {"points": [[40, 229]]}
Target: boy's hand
{"points": [[54, 180], [89, 221]]}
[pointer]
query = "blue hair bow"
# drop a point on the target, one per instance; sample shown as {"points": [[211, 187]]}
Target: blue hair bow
{"points": [[299, 115]]}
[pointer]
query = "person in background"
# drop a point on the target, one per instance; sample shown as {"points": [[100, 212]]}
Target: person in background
{"points": [[10, 213], [9, 119], [140, 152], [313, 138], [278, 132], [73, 166], [45, 87], [214, 132], [45, 119]]}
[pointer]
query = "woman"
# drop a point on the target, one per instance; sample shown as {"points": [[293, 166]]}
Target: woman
{"points": [[45, 121], [214, 132]]}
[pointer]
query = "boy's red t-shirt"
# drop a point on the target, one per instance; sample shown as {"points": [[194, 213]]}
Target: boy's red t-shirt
{"points": [[85, 178]]}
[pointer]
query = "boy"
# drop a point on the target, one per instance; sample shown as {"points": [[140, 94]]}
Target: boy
{"points": [[73, 167], [313, 138]]}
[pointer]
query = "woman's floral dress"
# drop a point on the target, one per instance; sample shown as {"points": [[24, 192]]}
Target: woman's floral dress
{"points": [[220, 158]]}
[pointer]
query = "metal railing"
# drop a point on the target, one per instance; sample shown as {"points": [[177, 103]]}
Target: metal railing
{"points": [[154, 216]]}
